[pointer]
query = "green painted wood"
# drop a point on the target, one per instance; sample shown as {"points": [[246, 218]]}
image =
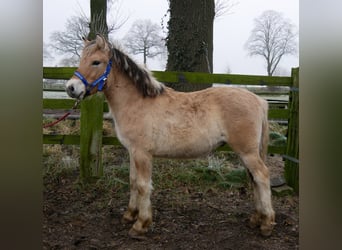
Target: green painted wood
{"points": [[75, 140], [292, 168], [278, 114], [105, 107], [58, 73], [58, 103], [191, 77], [203, 78], [276, 149], [108, 140], [61, 139], [91, 137]]}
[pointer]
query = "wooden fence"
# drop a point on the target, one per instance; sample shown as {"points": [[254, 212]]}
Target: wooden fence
{"points": [[91, 139]]}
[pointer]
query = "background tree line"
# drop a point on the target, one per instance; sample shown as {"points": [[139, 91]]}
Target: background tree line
{"points": [[188, 43]]}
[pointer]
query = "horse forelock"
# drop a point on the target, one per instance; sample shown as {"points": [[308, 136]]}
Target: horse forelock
{"points": [[91, 47]]}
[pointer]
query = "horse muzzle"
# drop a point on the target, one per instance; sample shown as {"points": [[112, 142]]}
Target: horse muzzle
{"points": [[75, 89]]}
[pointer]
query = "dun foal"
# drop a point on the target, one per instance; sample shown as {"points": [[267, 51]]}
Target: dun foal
{"points": [[152, 120]]}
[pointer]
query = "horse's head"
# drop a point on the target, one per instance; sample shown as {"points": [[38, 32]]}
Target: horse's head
{"points": [[93, 70]]}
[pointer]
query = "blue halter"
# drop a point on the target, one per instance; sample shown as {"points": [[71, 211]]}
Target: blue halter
{"points": [[100, 82]]}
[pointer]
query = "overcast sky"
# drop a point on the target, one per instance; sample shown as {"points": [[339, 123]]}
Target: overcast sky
{"points": [[230, 31]]}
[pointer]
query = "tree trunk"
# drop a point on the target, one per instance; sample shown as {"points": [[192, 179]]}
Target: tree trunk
{"points": [[190, 38], [98, 19], [269, 72], [145, 55]]}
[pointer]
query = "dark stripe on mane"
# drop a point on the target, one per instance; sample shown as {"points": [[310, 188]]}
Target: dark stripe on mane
{"points": [[146, 84]]}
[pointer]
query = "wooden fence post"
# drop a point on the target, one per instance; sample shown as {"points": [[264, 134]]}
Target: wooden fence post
{"points": [[91, 137], [292, 165]]}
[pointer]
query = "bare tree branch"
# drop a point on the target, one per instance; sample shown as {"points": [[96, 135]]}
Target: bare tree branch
{"points": [[272, 38], [115, 15], [72, 61], [70, 41], [224, 7], [144, 37], [47, 57]]}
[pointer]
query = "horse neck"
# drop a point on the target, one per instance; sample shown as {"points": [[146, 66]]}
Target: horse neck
{"points": [[120, 91]]}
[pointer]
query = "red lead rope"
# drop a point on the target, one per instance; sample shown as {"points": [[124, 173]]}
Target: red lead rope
{"points": [[57, 121], [61, 118]]}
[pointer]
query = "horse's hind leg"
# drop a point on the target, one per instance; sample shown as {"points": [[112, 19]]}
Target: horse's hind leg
{"points": [[264, 215], [139, 207]]}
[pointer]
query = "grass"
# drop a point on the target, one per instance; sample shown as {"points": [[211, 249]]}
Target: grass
{"points": [[277, 134], [214, 171], [220, 170], [59, 161]]}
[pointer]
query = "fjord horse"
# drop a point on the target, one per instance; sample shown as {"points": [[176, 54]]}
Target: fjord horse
{"points": [[152, 120]]}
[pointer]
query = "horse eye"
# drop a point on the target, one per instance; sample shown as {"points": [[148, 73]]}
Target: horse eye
{"points": [[95, 63]]}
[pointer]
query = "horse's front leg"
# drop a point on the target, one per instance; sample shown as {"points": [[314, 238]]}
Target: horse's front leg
{"points": [[140, 203], [132, 211]]}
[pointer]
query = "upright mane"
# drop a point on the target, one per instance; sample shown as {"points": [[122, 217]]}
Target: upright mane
{"points": [[142, 78]]}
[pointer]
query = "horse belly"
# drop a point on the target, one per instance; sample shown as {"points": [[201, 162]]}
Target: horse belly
{"points": [[191, 145]]}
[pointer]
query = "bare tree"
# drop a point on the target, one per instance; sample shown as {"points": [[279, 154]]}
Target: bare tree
{"points": [[72, 61], [69, 41], [228, 70], [272, 38], [281, 71], [99, 23], [47, 57], [144, 37]]}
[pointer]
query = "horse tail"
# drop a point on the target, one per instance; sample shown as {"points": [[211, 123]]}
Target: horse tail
{"points": [[264, 131]]}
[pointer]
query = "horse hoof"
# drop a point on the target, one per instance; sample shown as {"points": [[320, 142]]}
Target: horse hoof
{"points": [[126, 221], [253, 224], [266, 232], [254, 221], [127, 218], [134, 234]]}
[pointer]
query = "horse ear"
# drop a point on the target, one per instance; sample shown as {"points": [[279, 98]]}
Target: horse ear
{"points": [[102, 43], [85, 40]]}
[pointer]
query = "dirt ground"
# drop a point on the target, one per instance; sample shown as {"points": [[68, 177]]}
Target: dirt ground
{"points": [[183, 218]]}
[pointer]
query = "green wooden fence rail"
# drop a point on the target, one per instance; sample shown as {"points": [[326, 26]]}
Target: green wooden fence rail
{"points": [[94, 168], [173, 77]]}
